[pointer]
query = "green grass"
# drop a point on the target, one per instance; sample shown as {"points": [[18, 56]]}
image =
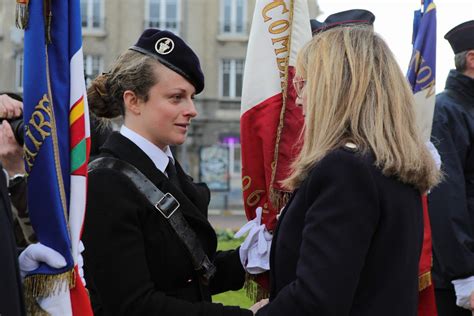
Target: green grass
{"points": [[232, 298]]}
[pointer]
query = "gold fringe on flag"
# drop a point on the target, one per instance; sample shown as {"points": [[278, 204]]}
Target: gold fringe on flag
{"points": [[279, 198], [21, 14], [424, 281], [44, 285], [253, 290]]}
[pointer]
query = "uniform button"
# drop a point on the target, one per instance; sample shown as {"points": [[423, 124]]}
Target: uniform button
{"points": [[190, 280]]}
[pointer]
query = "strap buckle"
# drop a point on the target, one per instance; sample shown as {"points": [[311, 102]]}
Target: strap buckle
{"points": [[207, 270], [167, 205]]}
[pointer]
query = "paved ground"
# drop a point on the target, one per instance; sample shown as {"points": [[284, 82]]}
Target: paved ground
{"points": [[221, 220]]}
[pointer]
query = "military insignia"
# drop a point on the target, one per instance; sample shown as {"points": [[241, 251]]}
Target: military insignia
{"points": [[164, 46]]}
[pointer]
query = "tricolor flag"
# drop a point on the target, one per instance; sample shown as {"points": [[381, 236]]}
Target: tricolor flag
{"points": [[57, 141], [422, 69], [421, 75], [271, 123]]}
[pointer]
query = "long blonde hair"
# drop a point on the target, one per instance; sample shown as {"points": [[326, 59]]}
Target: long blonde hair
{"points": [[356, 92]]}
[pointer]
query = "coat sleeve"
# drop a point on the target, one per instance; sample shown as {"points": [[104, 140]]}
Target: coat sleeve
{"points": [[339, 224], [230, 275], [452, 201], [116, 258]]}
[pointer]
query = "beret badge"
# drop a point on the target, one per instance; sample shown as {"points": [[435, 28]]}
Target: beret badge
{"points": [[172, 52], [164, 46]]}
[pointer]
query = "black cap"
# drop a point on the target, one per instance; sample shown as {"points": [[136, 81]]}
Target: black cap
{"points": [[349, 17], [173, 52], [461, 37]]}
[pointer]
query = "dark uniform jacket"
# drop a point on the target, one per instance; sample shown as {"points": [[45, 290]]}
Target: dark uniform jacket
{"points": [[451, 205], [11, 296], [347, 243], [134, 262]]}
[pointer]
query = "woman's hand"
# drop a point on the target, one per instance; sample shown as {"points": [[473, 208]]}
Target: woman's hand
{"points": [[254, 308]]}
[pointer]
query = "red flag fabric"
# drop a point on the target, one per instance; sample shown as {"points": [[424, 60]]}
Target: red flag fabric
{"points": [[426, 298], [270, 121]]}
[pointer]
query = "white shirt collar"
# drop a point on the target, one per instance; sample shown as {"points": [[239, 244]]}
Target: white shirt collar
{"points": [[158, 156]]}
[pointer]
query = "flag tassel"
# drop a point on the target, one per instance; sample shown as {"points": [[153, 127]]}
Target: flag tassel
{"points": [[44, 285], [279, 198], [254, 291], [424, 281], [22, 14]]}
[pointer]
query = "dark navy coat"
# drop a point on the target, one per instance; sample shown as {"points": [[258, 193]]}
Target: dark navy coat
{"points": [[451, 205], [134, 262], [347, 243], [11, 296]]}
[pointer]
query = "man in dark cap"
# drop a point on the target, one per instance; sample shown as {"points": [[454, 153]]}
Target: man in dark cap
{"points": [[452, 202]]}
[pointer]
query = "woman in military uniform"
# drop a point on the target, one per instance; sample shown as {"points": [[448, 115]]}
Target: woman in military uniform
{"points": [[143, 258]]}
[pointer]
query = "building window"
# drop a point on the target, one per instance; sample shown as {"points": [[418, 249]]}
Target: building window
{"points": [[163, 14], [92, 13], [93, 66], [232, 141], [232, 71], [233, 16], [19, 72]]}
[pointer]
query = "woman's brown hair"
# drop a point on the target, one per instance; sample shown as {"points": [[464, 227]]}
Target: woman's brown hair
{"points": [[132, 71]]}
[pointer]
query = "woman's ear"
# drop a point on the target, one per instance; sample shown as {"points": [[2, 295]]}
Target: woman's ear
{"points": [[132, 102]]}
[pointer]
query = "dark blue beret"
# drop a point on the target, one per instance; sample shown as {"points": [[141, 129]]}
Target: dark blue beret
{"points": [[349, 17], [173, 52], [461, 37]]}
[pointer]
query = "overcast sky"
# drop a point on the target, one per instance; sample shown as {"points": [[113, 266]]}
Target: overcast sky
{"points": [[394, 22]]}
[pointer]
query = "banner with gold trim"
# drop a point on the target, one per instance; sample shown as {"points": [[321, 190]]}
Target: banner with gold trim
{"points": [[56, 146], [421, 75], [271, 123]]}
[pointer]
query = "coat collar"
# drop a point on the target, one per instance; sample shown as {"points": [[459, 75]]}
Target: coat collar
{"points": [[120, 147], [461, 84]]}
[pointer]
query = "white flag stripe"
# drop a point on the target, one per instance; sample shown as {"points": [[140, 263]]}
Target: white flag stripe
{"points": [[424, 110], [77, 211], [268, 47], [301, 32], [78, 190]]}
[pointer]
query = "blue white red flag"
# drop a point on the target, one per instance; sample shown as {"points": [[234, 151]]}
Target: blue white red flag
{"points": [[57, 140], [270, 121], [421, 75], [422, 69]]}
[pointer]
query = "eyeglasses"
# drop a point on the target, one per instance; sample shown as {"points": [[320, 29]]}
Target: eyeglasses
{"points": [[299, 83]]}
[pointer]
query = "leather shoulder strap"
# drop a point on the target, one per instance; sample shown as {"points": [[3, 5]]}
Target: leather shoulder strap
{"points": [[167, 206]]}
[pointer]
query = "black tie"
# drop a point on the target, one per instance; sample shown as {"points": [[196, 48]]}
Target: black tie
{"points": [[172, 175]]}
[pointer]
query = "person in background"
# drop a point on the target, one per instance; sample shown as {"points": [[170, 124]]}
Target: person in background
{"points": [[11, 156], [452, 202], [348, 242], [12, 268], [137, 258]]}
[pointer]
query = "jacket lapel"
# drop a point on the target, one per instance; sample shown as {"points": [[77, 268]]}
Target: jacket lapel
{"points": [[122, 148]]}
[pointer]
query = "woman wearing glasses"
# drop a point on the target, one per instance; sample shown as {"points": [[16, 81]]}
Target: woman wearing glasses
{"points": [[349, 240]]}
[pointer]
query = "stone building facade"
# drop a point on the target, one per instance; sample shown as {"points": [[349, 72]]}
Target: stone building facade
{"points": [[216, 29]]}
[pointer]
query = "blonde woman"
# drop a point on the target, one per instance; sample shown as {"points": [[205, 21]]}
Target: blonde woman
{"points": [[349, 240]]}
